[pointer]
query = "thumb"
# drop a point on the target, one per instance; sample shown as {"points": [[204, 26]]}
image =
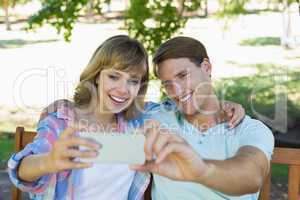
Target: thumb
{"points": [[149, 166]]}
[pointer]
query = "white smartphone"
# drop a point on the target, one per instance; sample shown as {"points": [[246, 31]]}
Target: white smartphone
{"points": [[118, 148]]}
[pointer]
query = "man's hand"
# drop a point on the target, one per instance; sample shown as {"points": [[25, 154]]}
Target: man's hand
{"points": [[234, 113], [175, 158]]}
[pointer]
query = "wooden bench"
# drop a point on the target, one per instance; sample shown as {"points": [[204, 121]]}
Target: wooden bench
{"points": [[288, 156]]}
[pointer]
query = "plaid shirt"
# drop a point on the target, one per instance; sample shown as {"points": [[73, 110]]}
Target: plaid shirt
{"points": [[60, 186]]}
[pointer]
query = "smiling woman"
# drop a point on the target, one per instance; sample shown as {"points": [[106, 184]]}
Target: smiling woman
{"points": [[111, 89]]}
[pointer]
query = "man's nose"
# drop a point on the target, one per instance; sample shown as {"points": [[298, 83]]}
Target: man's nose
{"points": [[177, 89]]}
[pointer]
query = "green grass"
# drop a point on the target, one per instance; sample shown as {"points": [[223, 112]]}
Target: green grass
{"points": [[17, 43], [6, 149], [261, 41], [258, 93], [279, 172]]}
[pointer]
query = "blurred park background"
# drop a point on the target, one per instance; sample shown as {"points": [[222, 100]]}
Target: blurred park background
{"points": [[254, 47]]}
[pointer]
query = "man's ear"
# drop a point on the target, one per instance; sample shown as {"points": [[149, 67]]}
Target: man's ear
{"points": [[206, 66]]}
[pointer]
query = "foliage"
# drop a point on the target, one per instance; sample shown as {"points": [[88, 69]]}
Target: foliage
{"points": [[231, 8], [150, 21], [258, 93], [13, 3], [165, 16], [153, 22], [61, 14]]}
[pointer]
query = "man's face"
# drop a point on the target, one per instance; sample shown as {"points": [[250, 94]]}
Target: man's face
{"points": [[187, 84]]}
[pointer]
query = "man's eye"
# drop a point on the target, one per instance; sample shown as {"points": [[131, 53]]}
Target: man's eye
{"points": [[113, 77], [168, 85], [183, 75]]}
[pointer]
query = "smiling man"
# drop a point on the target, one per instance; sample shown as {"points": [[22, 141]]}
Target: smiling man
{"points": [[199, 157]]}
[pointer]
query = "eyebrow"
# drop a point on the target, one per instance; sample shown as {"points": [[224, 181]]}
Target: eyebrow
{"points": [[115, 72], [131, 75], [181, 73], [135, 76]]}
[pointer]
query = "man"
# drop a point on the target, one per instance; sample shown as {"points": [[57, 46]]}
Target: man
{"points": [[192, 153]]}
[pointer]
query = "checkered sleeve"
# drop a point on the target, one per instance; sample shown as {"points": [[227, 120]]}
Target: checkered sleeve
{"points": [[46, 135]]}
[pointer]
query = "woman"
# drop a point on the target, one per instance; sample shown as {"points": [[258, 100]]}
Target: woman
{"points": [[111, 91]]}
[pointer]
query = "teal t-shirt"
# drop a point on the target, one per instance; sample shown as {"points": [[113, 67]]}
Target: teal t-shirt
{"points": [[218, 143]]}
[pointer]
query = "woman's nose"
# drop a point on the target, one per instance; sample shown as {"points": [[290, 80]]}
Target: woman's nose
{"points": [[123, 88]]}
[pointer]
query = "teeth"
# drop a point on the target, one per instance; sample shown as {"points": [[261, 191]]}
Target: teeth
{"points": [[118, 99], [186, 97]]}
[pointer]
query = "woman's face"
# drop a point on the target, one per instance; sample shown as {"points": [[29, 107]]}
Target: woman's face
{"points": [[117, 90]]}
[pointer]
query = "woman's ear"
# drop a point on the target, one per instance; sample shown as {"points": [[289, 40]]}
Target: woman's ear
{"points": [[97, 79], [206, 66]]}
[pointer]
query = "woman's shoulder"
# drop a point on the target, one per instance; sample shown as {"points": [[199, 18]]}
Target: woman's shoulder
{"points": [[56, 117], [61, 109]]}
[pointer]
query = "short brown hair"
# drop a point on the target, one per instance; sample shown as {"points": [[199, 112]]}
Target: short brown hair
{"points": [[119, 52], [180, 47]]}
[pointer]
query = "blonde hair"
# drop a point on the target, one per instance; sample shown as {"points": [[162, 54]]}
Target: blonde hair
{"points": [[122, 53]]}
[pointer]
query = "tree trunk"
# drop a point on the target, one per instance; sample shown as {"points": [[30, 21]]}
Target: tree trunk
{"points": [[287, 37], [299, 6], [89, 12], [7, 22], [127, 4], [205, 8]]}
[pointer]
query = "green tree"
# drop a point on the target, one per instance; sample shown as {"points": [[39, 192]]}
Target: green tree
{"points": [[153, 22], [149, 21], [231, 8], [63, 14], [6, 5]]}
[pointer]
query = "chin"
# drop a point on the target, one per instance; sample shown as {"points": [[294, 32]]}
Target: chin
{"points": [[116, 110]]}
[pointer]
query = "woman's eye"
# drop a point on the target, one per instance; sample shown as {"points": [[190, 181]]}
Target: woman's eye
{"points": [[113, 77], [134, 82]]}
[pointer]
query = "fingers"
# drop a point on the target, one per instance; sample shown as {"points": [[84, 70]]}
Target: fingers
{"points": [[149, 166], [157, 137], [165, 139], [152, 131], [78, 165], [69, 131], [235, 112], [76, 141], [168, 149], [73, 153], [228, 107], [238, 116], [72, 128], [174, 147]]}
